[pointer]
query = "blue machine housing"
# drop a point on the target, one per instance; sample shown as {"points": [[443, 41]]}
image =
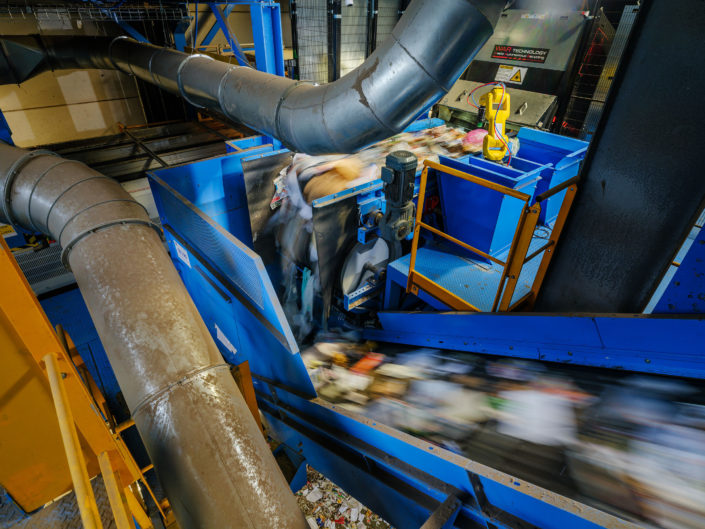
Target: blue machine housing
{"points": [[561, 157]]}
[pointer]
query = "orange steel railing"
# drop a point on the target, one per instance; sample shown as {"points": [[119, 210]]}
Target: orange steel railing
{"points": [[517, 256]]}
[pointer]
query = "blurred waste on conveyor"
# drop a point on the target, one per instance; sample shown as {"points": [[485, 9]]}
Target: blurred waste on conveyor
{"points": [[632, 445], [327, 506]]}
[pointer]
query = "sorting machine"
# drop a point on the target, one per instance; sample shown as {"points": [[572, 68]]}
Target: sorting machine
{"points": [[537, 54], [169, 349]]}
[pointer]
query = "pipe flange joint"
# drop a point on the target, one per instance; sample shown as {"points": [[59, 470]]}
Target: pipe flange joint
{"points": [[284, 95], [185, 379], [180, 85], [28, 211], [149, 64], [66, 251], [110, 51], [98, 204], [224, 78], [10, 177]]}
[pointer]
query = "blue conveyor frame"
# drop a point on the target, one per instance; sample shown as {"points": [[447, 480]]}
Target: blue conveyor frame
{"points": [[402, 478]]}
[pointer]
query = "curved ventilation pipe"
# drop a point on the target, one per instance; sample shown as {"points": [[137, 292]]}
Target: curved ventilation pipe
{"points": [[428, 50], [215, 466]]}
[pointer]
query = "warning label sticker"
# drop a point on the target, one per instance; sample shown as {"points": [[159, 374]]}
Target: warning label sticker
{"points": [[224, 340], [511, 74], [520, 53], [182, 254], [7, 231]]}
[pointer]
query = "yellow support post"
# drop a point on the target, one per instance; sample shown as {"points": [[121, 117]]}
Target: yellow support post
{"points": [[137, 510], [77, 464], [517, 255], [115, 496], [555, 235]]}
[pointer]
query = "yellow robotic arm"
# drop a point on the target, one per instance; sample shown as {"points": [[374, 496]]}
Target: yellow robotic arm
{"points": [[496, 103]]}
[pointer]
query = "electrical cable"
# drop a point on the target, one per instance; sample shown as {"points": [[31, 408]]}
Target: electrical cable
{"points": [[470, 95]]}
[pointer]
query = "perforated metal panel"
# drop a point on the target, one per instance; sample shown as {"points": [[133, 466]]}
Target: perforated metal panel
{"points": [[61, 514], [201, 231]]}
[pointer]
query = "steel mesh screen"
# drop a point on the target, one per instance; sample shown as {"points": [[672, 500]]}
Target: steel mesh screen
{"points": [[312, 28], [387, 16], [353, 39]]}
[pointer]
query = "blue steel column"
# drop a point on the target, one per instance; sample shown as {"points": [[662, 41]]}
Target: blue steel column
{"points": [[180, 35], [267, 35]]}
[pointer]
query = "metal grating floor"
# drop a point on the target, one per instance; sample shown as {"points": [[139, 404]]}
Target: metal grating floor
{"points": [[60, 514], [472, 280], [43, 268]]}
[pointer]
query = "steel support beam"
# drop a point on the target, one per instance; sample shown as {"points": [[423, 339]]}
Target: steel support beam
{"points": [[444, 515], [221, 22], [180, 35], [335, 16], [630, 342], [132, 32], [216, 27], [267, 35]]}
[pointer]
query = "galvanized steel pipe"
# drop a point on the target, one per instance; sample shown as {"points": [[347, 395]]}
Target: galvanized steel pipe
{"points": [[211, 457], [428, 50]]}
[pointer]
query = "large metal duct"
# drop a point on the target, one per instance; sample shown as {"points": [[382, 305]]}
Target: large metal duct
{"points": [[428, 50], [214, 463]]}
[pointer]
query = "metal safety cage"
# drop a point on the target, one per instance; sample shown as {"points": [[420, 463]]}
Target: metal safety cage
{"points": [[520, 252]]}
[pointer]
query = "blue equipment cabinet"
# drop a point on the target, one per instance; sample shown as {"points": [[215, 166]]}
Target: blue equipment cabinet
{"points": [[487, 217], [560, 156]]}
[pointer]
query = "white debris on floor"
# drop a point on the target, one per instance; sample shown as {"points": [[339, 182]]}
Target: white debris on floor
{"points": [[327, 506]]}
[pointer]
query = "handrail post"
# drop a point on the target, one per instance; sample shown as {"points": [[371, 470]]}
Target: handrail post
{"points": [[417, 228], [566, 206], [517, 253], [77, 464], [117, 500]]}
